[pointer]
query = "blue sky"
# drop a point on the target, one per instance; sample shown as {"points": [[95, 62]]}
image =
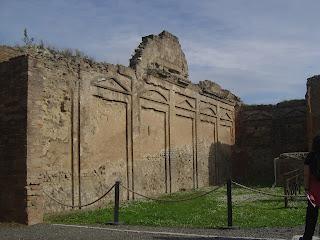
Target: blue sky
{"points": [[262, 50]]}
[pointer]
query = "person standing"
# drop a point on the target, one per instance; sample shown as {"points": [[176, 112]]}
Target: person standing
{"points": [[312, 187]]}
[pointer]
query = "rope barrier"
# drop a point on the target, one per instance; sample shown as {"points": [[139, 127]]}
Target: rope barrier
{"points": [[171, 201], [78, 206], [268, 194]]}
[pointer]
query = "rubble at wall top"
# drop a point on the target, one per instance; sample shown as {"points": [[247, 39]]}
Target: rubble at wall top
{"points": [[157, 55], [7, 52], [293, 102], [160, 53], [283, 104], [313, 79], [210, 87]]}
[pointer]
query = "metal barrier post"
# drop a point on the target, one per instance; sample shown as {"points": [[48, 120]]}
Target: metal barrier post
{"points": [[285, 193], [116, 203], [229, 202]]}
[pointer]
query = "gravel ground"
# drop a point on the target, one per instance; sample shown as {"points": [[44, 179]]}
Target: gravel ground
{"points": [[123, 232]]}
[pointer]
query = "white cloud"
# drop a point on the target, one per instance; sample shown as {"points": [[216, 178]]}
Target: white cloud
{"points": [[257, 49], [275, 69], [247, 55]]}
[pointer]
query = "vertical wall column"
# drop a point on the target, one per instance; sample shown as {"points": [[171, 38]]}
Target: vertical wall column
{"points": [[76, 143], [196, 132], [218, 149], [171, 130], [34, 185], [135, 133]]}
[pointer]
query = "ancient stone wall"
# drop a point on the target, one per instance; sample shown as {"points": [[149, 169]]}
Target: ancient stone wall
{"points": [[313, 107], [90, 124], [71, 127], [7, 53], [50, 132], [262, 133], [13, 138]]}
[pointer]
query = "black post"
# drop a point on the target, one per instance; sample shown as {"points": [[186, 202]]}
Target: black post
{"points": [[116, 202], [229, 202], [285, 189]]}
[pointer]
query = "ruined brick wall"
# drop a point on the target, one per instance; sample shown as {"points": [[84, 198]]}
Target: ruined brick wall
{"points": [[50, 132], [264, 132], [313, 107], [7, 53], [72, 127], [13, 138], [291, 127], [90, 124]]}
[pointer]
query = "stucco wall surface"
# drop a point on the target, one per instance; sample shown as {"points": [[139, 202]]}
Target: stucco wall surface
{"points": [[90, 124]]}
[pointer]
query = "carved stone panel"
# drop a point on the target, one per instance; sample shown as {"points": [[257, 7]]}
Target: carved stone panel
{"points": [[104, 144], [226, 115], [223, 153], [185, 102], [208, 109], [111, 83], [206, 152], [155, 95], [182, 161], [150, 170]]}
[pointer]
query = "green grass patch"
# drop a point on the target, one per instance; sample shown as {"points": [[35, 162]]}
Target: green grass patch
{"points": [[249, 210]]}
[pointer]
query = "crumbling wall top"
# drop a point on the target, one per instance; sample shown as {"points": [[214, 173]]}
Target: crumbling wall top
{"points": [[64, 57], [291, 103], [160, 53], [313, 79], [212, 88], [294, 103], [7, 52], [160, 56]]}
